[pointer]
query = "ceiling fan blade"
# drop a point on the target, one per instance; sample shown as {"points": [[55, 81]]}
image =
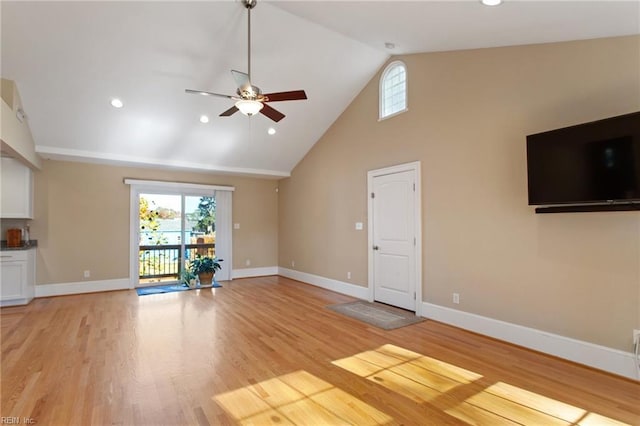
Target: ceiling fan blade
{"points": [[294, 95], [242, 79], [272, 113], [229, 112], [201, 92]]}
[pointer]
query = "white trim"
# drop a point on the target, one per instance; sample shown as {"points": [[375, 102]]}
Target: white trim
{"points": [[596, 356], [326, 283], [254, 272], [386, 117], [48, 290], [20, 301], [417, 214], [61, 154], [177, 186]]}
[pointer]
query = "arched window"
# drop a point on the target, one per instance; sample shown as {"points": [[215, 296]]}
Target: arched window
{"points": [[393, 90]]}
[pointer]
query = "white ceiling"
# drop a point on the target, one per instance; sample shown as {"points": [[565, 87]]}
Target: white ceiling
{"points": [[70, 58]]}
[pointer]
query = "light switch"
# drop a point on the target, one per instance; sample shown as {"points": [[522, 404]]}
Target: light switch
{"points": [[236, 226], [358, 226]]}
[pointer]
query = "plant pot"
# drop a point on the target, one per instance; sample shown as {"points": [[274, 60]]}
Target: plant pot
{"points": [[206, 278]]}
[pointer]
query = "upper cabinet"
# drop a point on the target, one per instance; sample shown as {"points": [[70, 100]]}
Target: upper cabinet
{"points": [[16, 198]]}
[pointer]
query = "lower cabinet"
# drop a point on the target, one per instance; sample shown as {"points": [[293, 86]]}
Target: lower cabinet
{"points": [[17, 277]]}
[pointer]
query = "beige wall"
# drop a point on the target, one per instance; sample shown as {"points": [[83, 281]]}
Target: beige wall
{"points": [[576, 275], [82, 219]]}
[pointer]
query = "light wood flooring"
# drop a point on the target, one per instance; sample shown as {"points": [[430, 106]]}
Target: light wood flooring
{"points": [[267, 351]]}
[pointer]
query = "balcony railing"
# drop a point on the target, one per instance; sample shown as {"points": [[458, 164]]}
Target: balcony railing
{"points": [[166, 261]]}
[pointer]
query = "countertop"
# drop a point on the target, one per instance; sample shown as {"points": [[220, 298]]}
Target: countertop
{"points": [[30, 244]]}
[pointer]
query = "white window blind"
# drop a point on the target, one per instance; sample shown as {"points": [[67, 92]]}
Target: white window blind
{"points": [[224, 226]]}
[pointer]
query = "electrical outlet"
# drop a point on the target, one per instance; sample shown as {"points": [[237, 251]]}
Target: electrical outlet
{"points": [[636, 337], [247, 262], [456, 298], [293, 263], [87, 274], [348, 275]]}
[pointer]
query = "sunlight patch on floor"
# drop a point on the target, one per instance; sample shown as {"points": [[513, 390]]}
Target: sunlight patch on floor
{"points": [[297, 398], [461, 393]]}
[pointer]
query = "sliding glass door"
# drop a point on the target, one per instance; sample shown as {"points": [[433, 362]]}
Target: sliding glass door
{"points": [[172, 230]]}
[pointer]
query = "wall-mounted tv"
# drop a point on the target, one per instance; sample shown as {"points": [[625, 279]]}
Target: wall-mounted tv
{"points": [[597, 162]]}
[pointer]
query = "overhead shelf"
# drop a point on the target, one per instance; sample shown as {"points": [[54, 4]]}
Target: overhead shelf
{"points": [[615, 207], [15, 136]]}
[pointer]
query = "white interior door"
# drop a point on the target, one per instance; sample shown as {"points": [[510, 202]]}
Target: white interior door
{"points": [[394, 238]]}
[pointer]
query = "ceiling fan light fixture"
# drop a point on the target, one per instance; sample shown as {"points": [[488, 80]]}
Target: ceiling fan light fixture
{"points": [[491, 2], [250, 99], [249, 107]]}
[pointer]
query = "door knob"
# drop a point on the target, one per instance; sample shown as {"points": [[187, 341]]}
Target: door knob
{"points": [[376, 247]]}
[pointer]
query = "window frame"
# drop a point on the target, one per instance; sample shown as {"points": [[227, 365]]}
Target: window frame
{"points": [[381, 98]]}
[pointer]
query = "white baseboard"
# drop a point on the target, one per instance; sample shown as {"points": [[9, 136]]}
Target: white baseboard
{"points": [[326, 283], [254, 272], [600, 357], [47, 290]]}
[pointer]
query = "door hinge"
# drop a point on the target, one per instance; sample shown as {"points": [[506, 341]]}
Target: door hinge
{"points": [[414, 295], [414, 241], [414, 187], [373, 195]]}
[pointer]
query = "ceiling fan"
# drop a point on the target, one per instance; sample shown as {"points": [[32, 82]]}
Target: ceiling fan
{"points": [[249, 98]]}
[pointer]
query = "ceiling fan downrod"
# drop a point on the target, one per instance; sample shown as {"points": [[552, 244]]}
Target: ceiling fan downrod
{"points": [[249, 4]]}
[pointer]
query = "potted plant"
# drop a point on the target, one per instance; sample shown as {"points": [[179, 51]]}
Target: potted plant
{"points": [[205, 267], [188, 278]]}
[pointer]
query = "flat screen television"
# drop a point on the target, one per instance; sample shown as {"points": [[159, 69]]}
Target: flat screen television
{"points": [[597, 162]]}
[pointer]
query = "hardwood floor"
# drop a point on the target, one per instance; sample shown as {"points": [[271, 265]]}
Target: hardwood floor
{"points": [[267, 351]]}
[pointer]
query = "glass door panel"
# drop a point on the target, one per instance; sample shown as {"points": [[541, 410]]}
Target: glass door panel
{"points": [[200, 226], [161, 242]]}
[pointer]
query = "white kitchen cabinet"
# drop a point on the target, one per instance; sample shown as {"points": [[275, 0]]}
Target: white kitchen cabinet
{"points": [[17, 190], [17, 276]]}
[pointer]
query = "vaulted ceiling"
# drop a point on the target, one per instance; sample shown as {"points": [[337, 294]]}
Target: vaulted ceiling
{"points": [[69, 59]]}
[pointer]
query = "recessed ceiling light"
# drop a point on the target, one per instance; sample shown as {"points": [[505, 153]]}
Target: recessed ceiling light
{"points": [[271, 131], [389, 45], [491, 2], [204, 119], [116, 103]]}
